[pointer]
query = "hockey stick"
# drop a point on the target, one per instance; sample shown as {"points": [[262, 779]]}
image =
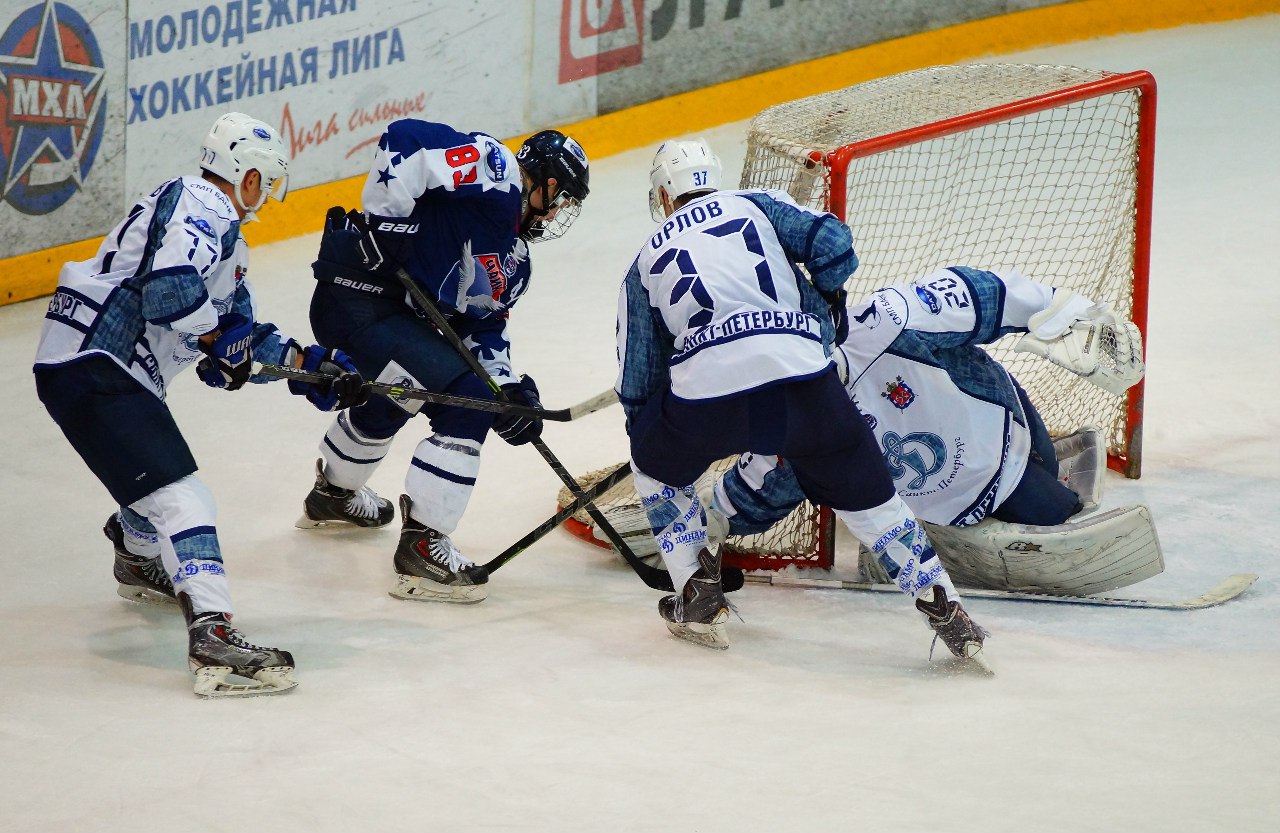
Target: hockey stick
{"points": [[598, 488], [649, 575], [1226, 590], [403, 392]]}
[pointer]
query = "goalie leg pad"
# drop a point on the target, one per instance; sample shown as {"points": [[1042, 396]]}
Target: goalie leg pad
{"points": [[1100, 553]]}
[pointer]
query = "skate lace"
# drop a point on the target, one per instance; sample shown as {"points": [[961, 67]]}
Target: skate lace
{"points": [[364, 503], [443, 552]]}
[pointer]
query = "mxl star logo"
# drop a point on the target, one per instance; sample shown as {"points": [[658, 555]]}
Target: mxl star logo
{"points": [[52, 106]]}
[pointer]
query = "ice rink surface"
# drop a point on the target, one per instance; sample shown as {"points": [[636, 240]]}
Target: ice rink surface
{"points": [[561, 704]]}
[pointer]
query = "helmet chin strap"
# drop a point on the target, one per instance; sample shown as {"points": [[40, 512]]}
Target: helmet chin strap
{"points": [[250, 212]]}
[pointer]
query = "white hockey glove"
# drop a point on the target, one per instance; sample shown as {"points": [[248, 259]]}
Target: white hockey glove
{"points": [[1088, 340]]}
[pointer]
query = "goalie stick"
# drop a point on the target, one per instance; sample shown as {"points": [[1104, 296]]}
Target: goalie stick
{"points": [[590, 406], [652, 577], [1226, 590]]}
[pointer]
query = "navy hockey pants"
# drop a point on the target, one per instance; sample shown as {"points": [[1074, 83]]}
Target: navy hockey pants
{"points": [[376, 331], [811, 423], [124, 433]]}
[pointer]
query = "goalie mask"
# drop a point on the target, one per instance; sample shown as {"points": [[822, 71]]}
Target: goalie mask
{"points": [[545, 156], [680, 169], [237, 144]]}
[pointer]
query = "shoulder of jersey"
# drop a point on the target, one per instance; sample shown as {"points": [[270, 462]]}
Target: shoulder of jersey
{"points": [[207, 208]]}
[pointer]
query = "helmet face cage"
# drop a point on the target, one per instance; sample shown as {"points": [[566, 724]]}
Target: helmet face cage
{"points": [[680, 168], [237, 144], [545, 156]]}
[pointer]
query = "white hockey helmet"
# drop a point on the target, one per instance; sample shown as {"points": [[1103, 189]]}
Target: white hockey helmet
{"points": [[681, 168], [237, 144]]}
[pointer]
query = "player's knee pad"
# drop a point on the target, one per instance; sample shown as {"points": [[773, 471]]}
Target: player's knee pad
{"points": [[465, 423]]}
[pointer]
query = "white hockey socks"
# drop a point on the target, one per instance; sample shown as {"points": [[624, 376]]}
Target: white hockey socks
{"points": [[441, 478], [350, 457], [678, 524], [140, 537], [898, 541], [184, 516]]}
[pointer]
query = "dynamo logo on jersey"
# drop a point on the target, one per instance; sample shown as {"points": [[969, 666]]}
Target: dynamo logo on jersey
{"points": [[52, 106]]}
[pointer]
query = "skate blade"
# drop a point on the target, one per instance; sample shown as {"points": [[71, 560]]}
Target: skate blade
{"points": [[976, 659], [417, 589], [212, 682], [305, 521], [145, 596], [714, 636]]}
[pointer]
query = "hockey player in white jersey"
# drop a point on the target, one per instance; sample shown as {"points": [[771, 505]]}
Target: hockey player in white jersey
{"points": [[724, 346], [454, 212], [167, 290]]}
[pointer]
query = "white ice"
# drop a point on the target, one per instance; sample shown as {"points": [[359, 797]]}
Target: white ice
{"points": [[561, 703]]}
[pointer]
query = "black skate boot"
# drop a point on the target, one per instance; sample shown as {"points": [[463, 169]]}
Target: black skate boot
{"points": [[431, 569], [328, 503], [140, 579], [950, 623], [699, 613], [217, 651]]}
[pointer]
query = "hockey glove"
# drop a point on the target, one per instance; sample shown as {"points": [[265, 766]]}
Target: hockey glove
{"points": [[228, 361], [836, 300], [346, 388], [518, 429]]}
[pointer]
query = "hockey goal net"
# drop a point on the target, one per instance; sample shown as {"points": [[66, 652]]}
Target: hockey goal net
{"points": [[1043, 169]]}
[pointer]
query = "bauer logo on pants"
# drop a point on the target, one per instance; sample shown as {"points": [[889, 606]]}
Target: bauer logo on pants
{"points": [[52, 97]]}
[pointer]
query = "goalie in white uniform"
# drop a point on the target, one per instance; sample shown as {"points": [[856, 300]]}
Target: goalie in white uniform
{"points": [[723, 347], [961, 438], [166, 290]]}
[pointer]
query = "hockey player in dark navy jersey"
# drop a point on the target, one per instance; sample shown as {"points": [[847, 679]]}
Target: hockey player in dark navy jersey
{"points": [[456, 212]]}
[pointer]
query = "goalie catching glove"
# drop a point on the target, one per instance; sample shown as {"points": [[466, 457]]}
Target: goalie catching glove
{"points": [[345, 389], [1087, 339]]}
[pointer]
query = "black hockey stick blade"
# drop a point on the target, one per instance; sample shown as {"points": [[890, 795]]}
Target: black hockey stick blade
{"points": [[405, 392], [540, 531], [657, 579], [1226, 590]]}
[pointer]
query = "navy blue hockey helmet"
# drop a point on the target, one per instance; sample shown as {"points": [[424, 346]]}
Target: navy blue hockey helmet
{"points": [[552, 155]]}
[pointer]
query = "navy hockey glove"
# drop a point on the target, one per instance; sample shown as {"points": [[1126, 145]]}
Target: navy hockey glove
{"points": [[836, 300], [228, 361], [519, 429], [345, 390]]}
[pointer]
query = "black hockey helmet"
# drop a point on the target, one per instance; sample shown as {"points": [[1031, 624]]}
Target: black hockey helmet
{"points": [[552, 155]]}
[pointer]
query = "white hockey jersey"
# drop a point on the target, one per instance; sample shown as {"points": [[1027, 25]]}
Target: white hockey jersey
{"points": [[160, 279], [714, 303], [946, 415]]}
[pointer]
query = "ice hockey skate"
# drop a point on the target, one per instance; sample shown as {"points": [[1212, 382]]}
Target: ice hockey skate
{"points": [[141, 579], [327, 504], [218, 651], [963, 637], [431, 569], [699, 613]]}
